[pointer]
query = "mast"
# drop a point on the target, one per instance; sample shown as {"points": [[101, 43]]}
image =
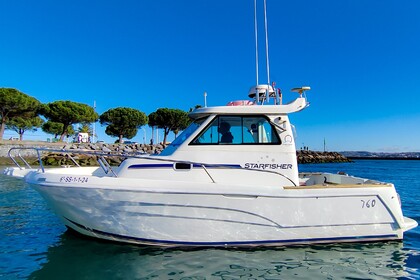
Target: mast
{"points": [[256, 39], [94, 123], [262, 92], [266, 42]]}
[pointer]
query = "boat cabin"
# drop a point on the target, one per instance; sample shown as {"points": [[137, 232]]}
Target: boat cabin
{"points": [[249, 135]]}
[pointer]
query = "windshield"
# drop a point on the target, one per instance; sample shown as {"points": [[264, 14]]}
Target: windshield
{"points": [[182, 137], [238, 130]]}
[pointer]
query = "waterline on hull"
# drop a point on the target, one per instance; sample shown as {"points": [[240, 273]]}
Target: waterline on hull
{"points": [[170, 243]]}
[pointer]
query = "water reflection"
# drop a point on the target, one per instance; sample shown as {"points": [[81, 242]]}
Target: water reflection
{"points": [[27, 228], [81, 258], [32, 243]]}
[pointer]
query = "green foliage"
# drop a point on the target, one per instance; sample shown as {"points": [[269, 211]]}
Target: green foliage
{"points": [[19, 112], [14, 103], [68, 113], [85, 128], [123, 122], [24, 123], [56, 128], [169, 120]]}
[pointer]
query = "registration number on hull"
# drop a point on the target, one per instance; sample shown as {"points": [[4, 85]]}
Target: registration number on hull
{"points": [[74, 179]]}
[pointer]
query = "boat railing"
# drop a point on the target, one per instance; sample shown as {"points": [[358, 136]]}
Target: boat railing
{"points": [[101, 158]]}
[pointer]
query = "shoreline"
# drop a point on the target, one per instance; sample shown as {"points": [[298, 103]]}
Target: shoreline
{"points": [[6, 161], [303, 157], [383, 158]]}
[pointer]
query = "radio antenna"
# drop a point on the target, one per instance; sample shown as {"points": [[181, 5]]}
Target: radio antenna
{"points": [[266, 41], [256, 39]]}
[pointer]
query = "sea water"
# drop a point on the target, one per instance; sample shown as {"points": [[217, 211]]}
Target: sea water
{"points": [[35, 245]]}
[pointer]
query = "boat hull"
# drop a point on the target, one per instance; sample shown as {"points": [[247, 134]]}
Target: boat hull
{"points": [[184, 214]]}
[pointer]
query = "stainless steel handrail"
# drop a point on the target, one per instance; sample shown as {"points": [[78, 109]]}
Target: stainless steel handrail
{"points": [[68, 153]]}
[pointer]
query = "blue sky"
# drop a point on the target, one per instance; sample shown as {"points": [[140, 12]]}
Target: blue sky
{"points": [[361, 59]]}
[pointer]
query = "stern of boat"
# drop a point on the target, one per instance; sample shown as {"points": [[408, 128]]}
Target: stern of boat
{"points": [[409, 224]]}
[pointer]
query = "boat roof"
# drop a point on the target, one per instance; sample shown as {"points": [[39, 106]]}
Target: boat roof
{"points": [[298, 104]]}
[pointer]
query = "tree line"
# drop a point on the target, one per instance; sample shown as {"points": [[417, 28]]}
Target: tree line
{"points": [[20, 112]]}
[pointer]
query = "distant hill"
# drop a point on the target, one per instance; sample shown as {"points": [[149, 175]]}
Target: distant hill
{"points": [[375, 155]]}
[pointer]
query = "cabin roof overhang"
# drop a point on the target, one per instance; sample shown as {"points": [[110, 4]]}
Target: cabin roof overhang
{"points": [[294, 106]]}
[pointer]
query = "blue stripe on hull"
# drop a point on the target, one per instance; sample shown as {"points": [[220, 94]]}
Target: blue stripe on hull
{"points": [[167, 165], [145, 241]]}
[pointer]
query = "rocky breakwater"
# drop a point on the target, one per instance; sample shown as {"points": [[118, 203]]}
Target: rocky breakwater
{"points": [[57, 158], [320, 157]]}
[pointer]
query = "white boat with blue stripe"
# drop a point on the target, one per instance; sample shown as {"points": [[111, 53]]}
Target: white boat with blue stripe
{"points": [[206, 189], [230, 179]]}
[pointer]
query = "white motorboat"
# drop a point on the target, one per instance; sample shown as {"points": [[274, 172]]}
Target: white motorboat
{"points": [[206, 189], [230, 179]]}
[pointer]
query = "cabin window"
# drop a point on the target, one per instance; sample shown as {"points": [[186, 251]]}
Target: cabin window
{"points": [[231, 130], [181, 138]]}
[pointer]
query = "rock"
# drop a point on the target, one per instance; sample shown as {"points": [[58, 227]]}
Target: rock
{"points": [[94, 147], [106, 149], [128, 150]]}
